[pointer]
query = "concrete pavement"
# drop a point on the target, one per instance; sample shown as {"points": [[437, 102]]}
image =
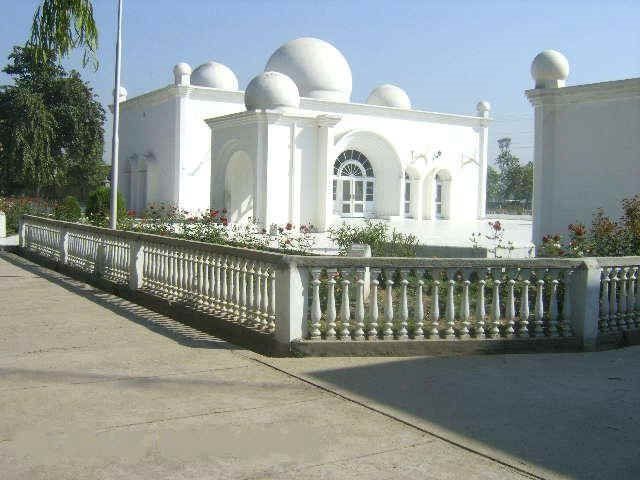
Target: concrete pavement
{"points": [[92, 386]]}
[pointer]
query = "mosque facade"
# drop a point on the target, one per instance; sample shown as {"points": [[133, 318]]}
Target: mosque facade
{"points": [[293, 147]]}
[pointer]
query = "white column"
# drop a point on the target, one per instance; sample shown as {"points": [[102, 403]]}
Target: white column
{"points": [[181, 144], [483, 160], [417, 200], [295, 177], [325, 159]]}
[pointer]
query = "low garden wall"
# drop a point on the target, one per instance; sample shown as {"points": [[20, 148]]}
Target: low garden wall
{"points": [[336, 305]]}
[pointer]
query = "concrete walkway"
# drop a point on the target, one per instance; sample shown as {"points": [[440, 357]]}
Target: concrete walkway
{"points": [[92, 386]]}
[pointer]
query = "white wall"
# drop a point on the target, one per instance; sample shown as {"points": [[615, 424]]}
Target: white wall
{"points": [[587, 152]]}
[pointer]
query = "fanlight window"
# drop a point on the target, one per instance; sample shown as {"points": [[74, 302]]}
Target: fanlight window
{"points": [[353, 185]]}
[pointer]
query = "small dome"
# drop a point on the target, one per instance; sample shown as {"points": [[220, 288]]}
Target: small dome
{"points": [[550, 69], [214, 75], [271, 91], [483, 106], [389, 96], [317, 68]]}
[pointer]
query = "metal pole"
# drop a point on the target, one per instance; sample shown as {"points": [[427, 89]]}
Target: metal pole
{"points": [[116, 121]]}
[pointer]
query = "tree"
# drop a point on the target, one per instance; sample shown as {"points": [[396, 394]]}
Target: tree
{"points": [[51, 130], [60, 26], [511, 181]]}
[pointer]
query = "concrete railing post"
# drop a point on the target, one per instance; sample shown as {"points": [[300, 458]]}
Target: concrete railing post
{"points": [[291, 303], [64, 245], [136, 265], [586, 298], [3, 224], [101, 260], [362, 250], [21, 232]]}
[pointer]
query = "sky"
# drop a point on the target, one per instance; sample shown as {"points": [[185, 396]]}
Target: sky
{"points": [[447, 55]]}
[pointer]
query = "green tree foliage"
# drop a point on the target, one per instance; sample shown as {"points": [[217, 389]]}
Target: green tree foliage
{"points": [[51, 130], [68, 210], [98, 207], [60, 26], [511, 182], [383, 241]]}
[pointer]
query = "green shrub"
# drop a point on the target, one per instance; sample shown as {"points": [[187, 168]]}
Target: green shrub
{"points": [[68, 210], [98, 207], [383, 243]]}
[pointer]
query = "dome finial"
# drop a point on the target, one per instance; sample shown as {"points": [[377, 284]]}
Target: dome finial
{"points": [[214, 75], [483, 108], [550, 69], [182, 74]]}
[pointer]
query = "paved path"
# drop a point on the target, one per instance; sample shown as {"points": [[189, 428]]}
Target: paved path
{"points": [[92, 386]]}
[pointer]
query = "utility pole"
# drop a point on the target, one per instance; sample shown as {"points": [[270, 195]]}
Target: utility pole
{"points": [[116, 121]]}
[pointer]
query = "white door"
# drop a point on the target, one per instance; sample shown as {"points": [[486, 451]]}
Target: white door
{"points": [[352, 197]]}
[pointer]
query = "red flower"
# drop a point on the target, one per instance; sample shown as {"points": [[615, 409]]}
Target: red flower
{"points": [[289, 226], [496, 225], [214, 213], [224, 220], [577, 229], [131, 213]]}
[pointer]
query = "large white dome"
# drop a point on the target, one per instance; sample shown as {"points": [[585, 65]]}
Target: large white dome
{"points": [[550, 69], [389, 96], [271, 91], [214, 75], [317, 67]]}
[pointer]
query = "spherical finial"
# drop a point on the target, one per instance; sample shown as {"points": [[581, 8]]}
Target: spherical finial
{"points": [[318, 68], [483, 108], [122, 94], [214, 75], [182, 74], [389, 96], [271, 91], [550, 69]]}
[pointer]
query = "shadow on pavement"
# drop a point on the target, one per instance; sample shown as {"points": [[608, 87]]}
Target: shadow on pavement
{"points": [[573, 415]]}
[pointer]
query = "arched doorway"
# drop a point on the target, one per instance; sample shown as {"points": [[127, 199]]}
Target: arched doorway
{"points": [[239, 188], [353, 185]]}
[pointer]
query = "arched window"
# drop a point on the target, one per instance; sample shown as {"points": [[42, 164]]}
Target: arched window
{"points": [[353, 185], [407, 195], [441, 197]]}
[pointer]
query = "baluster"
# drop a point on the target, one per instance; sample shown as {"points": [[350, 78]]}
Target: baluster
{"points": [[523, 324], [494, 331], [243, 291], [224, 277], [204, 294], [419, 310], [622, 305], [510, 312], [613, 300], [316, 313], [604, 301], [373, 306], [345, 308], [465, 313], [236, 289], [272, 300], [183, 273], [538, 312], [265, 298], [403, 334], [434, 332], [251, 301], [331, 304], [566, 329], [358, 334], [387, 333], [553, 305], [632, 300], [231, 278], [258, 295], [481, 313], [450, 312], [218, 282]]}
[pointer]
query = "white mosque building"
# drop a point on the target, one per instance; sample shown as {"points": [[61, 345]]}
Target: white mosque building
{"points": [[293, 147]]}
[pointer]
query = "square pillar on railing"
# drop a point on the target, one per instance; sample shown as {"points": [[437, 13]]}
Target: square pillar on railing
{"points": [[101, 260], [586, 303], [292, 284], [136, 265], [64, 245]]}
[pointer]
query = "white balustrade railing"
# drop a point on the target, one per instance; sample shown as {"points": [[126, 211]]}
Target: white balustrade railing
{"points": [[619, 295], [360, 299]]}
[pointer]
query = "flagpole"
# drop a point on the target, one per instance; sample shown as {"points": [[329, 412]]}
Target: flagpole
{"points": [[116, 122]]}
